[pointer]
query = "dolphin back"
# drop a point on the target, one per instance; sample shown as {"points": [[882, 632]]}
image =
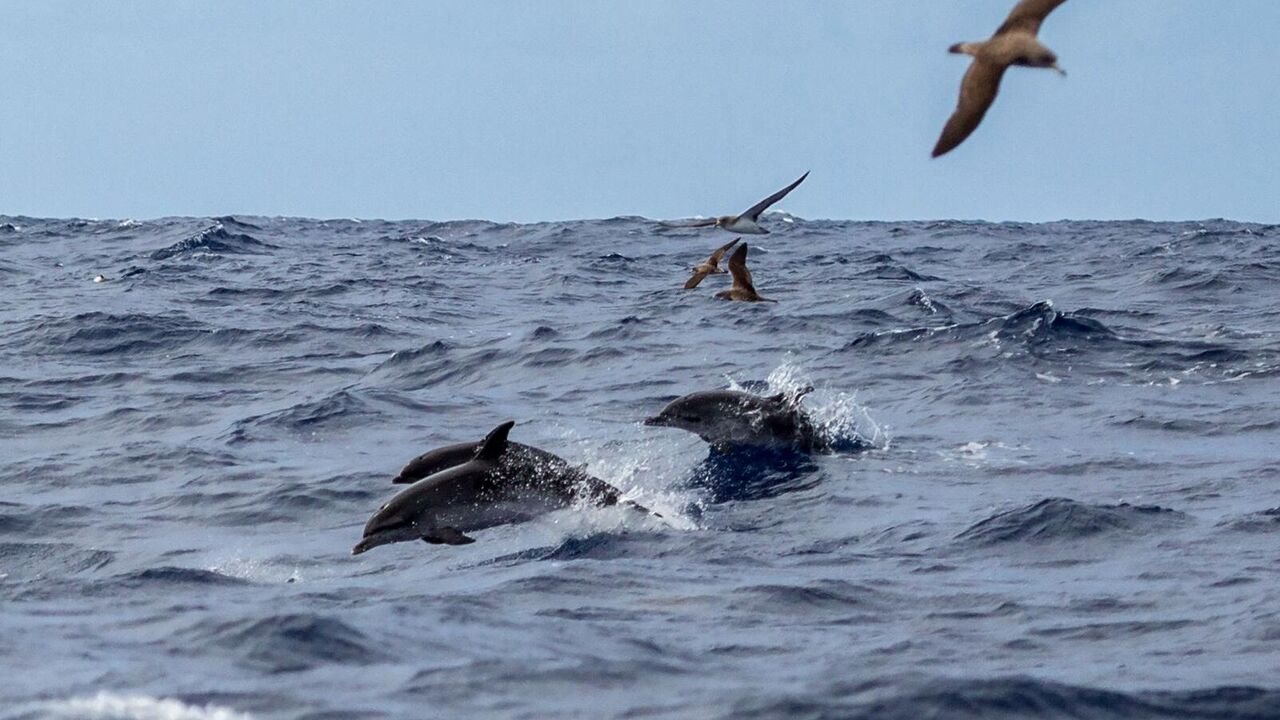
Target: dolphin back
{"points": [[432, 462]]}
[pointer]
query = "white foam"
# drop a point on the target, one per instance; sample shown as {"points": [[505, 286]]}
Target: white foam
{"points": [[109, 706], [646, 472], [255, 570], [838, 414]]}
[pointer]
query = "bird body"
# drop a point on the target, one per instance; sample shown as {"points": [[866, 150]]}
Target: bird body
{"points": [[1014, 43], [748, 223], [711, 266], [744, 289]]}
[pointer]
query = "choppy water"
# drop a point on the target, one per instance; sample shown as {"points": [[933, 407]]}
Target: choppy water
{"points": [[1071, 509]]}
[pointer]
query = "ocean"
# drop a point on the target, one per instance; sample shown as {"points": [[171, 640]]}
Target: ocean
{"points": [[1063, 500]]}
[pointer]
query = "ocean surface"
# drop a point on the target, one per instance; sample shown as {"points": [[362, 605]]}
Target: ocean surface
{"points": [[1068, 506]]}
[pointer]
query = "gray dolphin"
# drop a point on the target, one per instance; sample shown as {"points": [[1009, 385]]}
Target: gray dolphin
{"points": [[473, 486], [730, 418]]}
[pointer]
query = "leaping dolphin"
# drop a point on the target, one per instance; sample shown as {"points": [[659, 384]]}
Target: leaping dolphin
{"points": [[467, 487], [729, 419]]}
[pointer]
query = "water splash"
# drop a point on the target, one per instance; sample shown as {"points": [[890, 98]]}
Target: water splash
{"points": [[109, 706], [843, 422]]}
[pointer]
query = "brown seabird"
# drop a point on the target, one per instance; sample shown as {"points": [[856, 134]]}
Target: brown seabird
{"points": [[1014, 43], [711, 266], [743, 289], [748, 223]]}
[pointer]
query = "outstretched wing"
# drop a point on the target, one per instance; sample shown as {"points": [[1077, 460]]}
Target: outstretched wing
{"points": [[753, 213], [704, 222], [718, 255], [977, 92], [1028, 15], [692, 282], [738, 270]]}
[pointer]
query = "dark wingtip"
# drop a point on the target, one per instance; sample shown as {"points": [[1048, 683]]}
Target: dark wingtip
{"points": [[956, 49]]}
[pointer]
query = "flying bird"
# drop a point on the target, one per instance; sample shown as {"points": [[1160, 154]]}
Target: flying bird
{"points": [[1014, 43], [743, 290], [711, 266], [748, 223]]}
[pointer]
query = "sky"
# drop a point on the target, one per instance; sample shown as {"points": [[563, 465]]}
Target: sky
{"points": [[518, 110]]}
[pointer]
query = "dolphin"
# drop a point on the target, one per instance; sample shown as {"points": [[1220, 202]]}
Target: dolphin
{"points": [[730, 419], [473, 486]]}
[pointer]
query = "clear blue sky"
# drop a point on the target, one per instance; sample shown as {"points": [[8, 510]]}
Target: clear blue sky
{"points": [[556, 109]]}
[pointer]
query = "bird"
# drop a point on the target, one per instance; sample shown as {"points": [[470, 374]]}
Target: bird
{"points": [[1014, 43], [748, 223], [743, 290], [711, 266]]}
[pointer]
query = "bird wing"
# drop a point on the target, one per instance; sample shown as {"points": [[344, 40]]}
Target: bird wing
{"points": [[977, 92], [704, 222], [716, 256], [738, 269], [1028, 15], [753, 213], [693, 281]]}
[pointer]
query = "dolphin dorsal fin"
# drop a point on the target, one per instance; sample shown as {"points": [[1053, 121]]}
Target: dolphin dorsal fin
{"points": [[495, 443]]}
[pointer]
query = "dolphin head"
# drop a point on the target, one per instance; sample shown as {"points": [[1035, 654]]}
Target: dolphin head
{"points": [[698, 413], [390, 524], [727, 418]]}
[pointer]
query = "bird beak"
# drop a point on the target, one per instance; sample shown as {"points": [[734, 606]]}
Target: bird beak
{"points": [[1058, 70]]}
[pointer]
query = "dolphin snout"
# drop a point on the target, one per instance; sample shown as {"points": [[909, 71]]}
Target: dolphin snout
{"points": [[655, 421], [363, 546]]}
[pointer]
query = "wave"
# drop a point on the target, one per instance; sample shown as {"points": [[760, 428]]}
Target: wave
{"points": [[1014, 698], [1036, 324], [27, 561], [17, 519], [1061, 519], [288, 643], [290, 503], [823, 597], [216, 240], [341, 409], [113, 706], [100, 333], [435, 364], [887, 268], [1266, 521], [169, 576]]}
